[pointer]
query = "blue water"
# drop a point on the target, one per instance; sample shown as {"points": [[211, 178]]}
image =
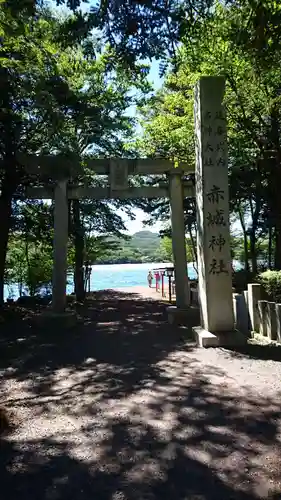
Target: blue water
{"points": [[114, 276]]}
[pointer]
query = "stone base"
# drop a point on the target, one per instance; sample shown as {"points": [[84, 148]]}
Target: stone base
{"points": [[261, 339], [66, 319], [177, 316], [204, 338]]}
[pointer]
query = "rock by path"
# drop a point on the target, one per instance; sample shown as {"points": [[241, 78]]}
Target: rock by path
{"points": [[124, 407]]}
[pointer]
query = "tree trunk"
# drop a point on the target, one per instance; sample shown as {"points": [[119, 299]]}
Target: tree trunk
{"points": [[30, 283], [277, 216], [194, 250], [275, 182], [6, 212], [79, 252], [277, 256], [245, 240], [246, 252], [10, 177], [270, 247], [253, 250], [255, 212]]}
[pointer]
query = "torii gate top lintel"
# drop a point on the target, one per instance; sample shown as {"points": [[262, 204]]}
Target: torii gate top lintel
{"points": [[63, 166]]}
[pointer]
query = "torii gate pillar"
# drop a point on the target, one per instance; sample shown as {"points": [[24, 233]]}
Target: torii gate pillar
{"points": [[58, 313], [60, 247], [178, 314], [178, 240]]}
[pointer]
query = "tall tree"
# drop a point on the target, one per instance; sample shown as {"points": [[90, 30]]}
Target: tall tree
{"points": [[56, 100], [135, 29], [253, 109], [29, 62]]}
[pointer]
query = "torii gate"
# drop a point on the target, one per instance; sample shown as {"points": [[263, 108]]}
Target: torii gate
{"points": [[213, 233], [118, 170]]}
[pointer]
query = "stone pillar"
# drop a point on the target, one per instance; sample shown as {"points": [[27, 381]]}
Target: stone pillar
{"points": [[240, 313], [212, 198], [278, 321], [178, 240], [271, 322], [254, 295], [262, 308], [60, 247], [246, 303], [235, 307], [245, 296]]}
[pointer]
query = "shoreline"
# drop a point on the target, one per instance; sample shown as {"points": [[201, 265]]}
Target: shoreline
{"points": [[145, 292]]}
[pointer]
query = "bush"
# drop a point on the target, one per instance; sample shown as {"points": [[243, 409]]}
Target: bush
{"points": [[271, 281], [29, 268], [240, 280], [39, 272]]}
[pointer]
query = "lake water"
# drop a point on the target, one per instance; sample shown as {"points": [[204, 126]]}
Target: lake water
{"points": [[114, 276]]}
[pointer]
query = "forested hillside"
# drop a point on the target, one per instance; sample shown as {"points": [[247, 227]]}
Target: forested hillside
{"points": [[143, 246]]}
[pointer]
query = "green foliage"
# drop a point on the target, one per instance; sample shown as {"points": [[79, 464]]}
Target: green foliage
{"points": [[145, 241], [29, 266], [29, 261], [167, 248], [59, 99], [39, 270], [96, 247], [63, 93], [271, 281], [143, 246], [136, 29], [253, 106], [15, 272], [139, 29]]}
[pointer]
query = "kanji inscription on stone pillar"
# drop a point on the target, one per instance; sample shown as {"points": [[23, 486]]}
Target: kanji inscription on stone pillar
{"points": [[213, 238]]}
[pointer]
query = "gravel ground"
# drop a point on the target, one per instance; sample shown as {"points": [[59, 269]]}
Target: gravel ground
{"points": [[124, 407]]}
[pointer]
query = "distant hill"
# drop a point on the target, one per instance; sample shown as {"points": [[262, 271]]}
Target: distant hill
{"points": [[145, 241], [143, 246]]}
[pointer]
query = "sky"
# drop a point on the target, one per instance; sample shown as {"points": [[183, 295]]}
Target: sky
{"points": [[137, 224]]}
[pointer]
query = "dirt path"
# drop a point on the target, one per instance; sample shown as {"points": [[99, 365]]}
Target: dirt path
{"points": [[125, 408]]}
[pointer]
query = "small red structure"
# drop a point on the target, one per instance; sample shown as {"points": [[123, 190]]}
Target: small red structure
{"points": [[160, 275], [162, 280], [157, 280]]}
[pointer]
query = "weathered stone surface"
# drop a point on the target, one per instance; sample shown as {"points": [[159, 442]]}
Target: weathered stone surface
{"points": [[60, 247], [241, 314], [262, 309], [204, 338], [177, 315], [213, 237], [254, 295], [178, 240], [271, 324], [50, 319], [278, 321]]}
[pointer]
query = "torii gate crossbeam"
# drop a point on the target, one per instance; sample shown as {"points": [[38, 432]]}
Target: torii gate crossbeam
{"points": [[118, 170]]}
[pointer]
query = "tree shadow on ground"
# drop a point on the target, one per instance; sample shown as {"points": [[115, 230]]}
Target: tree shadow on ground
{"points": [[120, 408], [114, 329], [258, 351]]}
